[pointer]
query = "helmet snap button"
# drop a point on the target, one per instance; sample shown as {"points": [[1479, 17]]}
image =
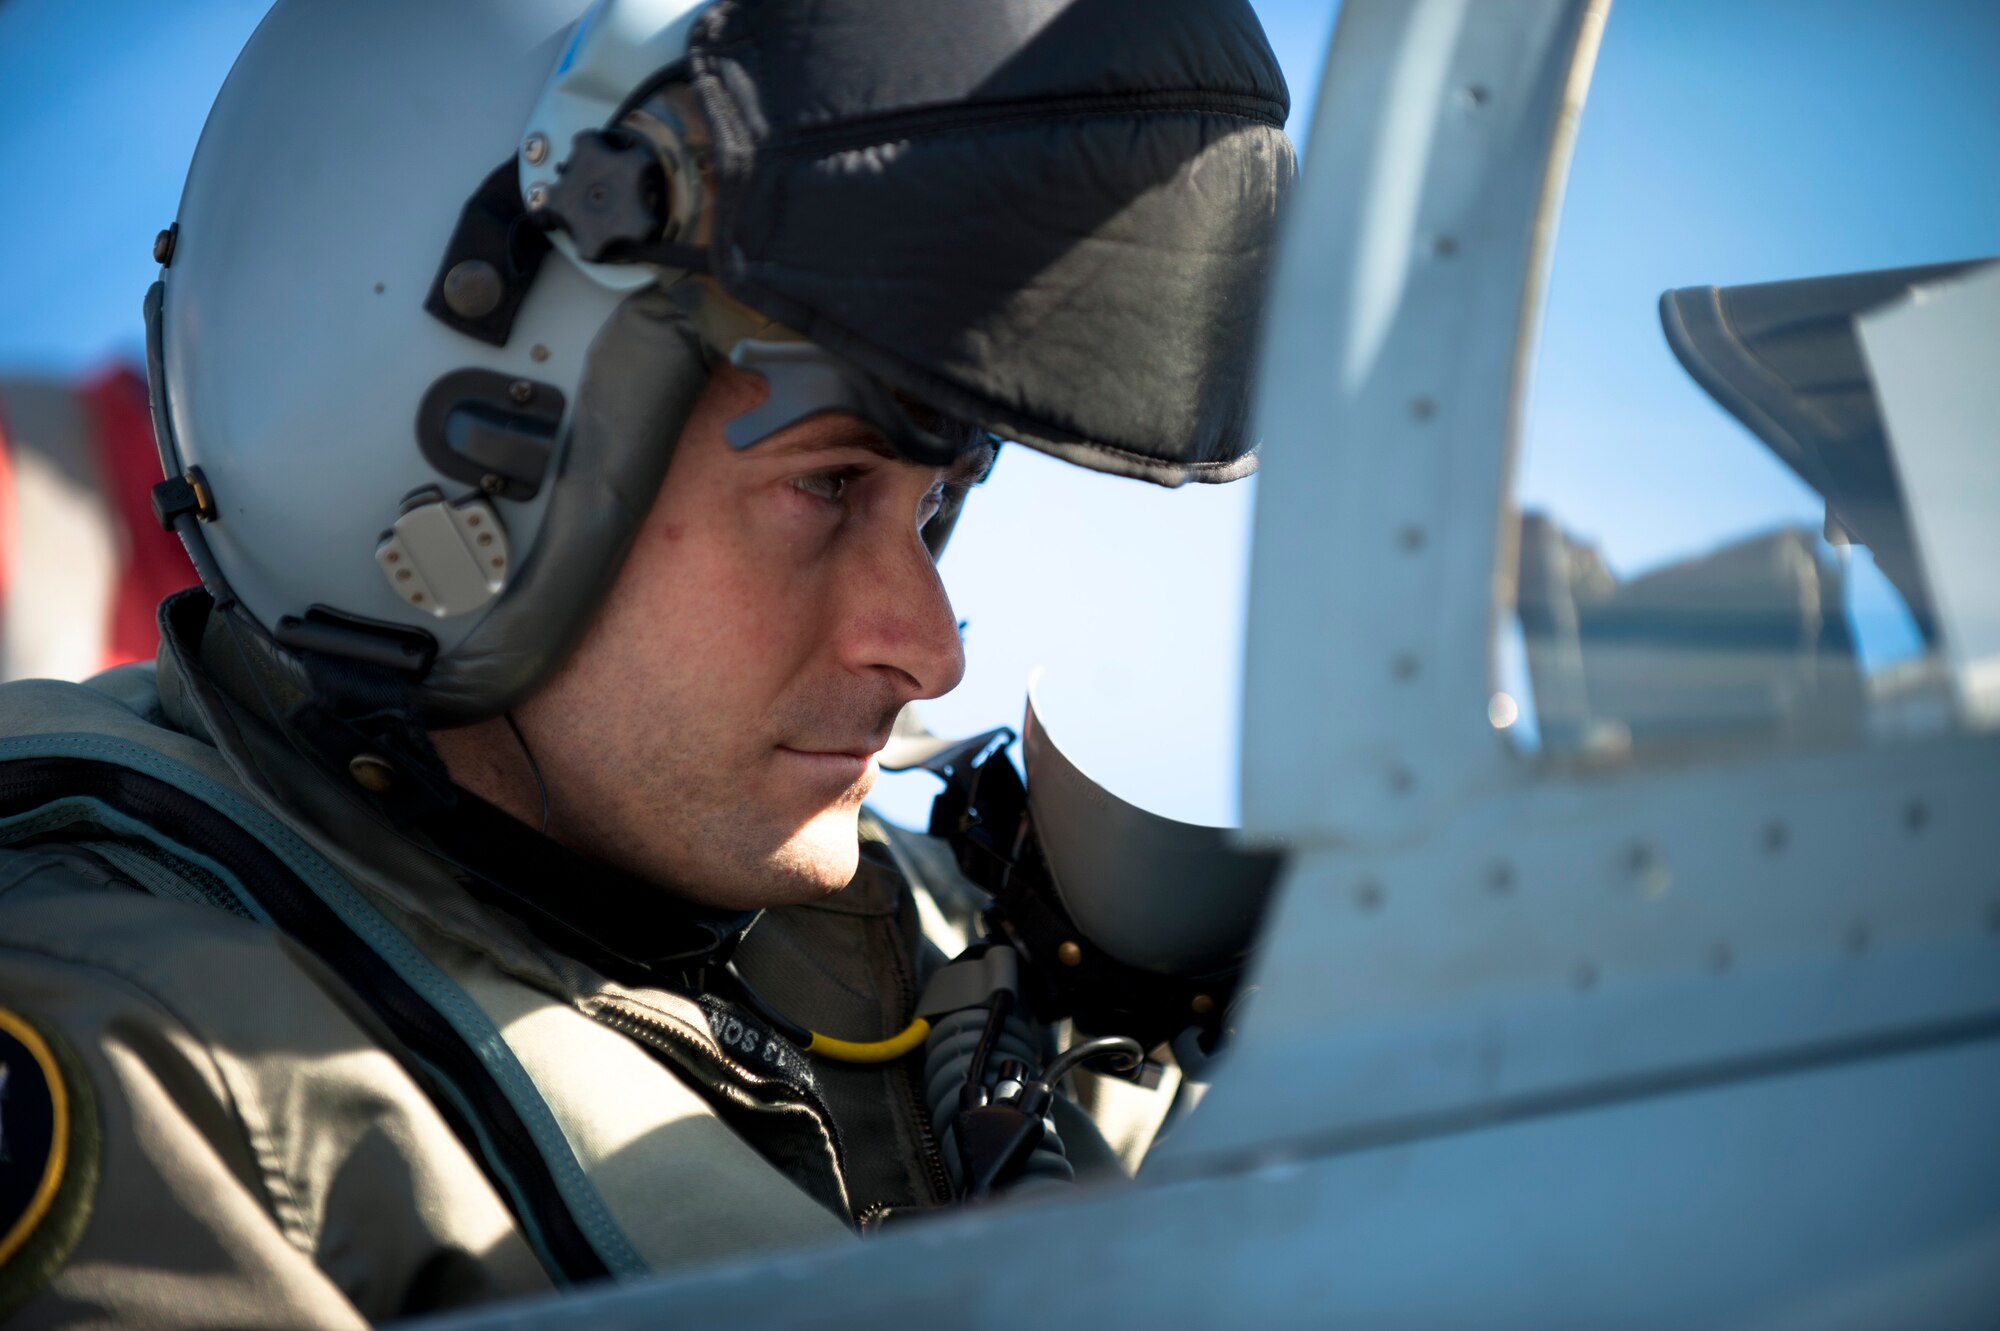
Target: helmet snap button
{"points": [[472, 289]]}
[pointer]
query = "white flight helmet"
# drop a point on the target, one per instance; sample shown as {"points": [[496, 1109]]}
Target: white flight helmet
{"points": [[448, 276]]}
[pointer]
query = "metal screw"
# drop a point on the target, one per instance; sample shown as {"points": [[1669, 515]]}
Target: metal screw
{"points": [[492, 484], [473, 520], [1646, 862], [404, 575], [1069, 954], [520, 390], [537, 197], [393, 558], [1202, 1005], [371, 771], [499, 562], [536, 149], [486, 538], [163, 245], [538, 353]]}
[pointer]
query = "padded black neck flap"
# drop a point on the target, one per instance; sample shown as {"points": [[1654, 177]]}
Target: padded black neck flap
{"points": [[1053, 218]]}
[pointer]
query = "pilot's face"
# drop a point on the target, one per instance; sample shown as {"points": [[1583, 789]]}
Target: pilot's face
{"points": [[716, 730]]}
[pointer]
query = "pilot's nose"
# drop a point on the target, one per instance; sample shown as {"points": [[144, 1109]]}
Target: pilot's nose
{"points": [[901, 621]]}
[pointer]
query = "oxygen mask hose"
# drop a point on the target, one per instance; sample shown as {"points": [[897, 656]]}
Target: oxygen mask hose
{"points": [[988, 1106], [989, 1095]]}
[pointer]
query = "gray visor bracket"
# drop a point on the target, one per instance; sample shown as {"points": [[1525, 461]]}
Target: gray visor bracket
{"points": [[806, 381]]}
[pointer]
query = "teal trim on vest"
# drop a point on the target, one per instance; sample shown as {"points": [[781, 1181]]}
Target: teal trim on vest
{"points": [[466, 1018], [524, 1214], [169, 874], [59, 815]]}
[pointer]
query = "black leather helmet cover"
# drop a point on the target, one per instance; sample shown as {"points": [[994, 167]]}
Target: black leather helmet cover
{"points": [[1051, 218]]}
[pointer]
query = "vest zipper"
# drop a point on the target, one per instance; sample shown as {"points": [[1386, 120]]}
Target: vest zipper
{"points": [[910, 1070], [683, 1049], [927, 1142]]}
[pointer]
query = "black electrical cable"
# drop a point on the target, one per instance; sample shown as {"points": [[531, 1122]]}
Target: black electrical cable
{"points": [[970, 1096], [773, 1018], [541, 786]]}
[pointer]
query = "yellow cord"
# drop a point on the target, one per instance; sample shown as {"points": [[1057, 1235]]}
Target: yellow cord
{"points": [[870, 1051]]}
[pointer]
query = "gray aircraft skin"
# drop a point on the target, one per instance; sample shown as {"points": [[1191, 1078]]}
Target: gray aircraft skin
{"points": [[1688, 1017]]}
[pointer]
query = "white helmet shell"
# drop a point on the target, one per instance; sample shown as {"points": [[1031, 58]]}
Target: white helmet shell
{"points": [[402, 408], [295, 345]]}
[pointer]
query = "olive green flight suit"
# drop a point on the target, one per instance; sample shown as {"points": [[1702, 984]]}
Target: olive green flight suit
{"points": [[265, 1154]]}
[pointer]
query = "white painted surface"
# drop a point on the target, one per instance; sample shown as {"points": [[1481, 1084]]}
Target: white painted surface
{"points": [[1389, 406], [1936, 362]]}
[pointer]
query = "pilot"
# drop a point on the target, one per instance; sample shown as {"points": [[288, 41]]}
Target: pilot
{"points": [[564, 415]]}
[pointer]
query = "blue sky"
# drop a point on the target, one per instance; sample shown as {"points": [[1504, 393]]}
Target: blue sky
{"points": [[1733, 143], [1737, 143], [1724, 142]]}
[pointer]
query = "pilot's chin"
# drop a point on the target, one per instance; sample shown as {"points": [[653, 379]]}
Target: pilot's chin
{"points": [[822, 856]]}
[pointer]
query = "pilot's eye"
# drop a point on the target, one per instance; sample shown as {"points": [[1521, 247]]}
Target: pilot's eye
{"points": [[828, 485]]}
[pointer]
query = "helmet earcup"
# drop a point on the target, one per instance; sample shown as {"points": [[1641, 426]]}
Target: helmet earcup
{"points": [[640, 382]]}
